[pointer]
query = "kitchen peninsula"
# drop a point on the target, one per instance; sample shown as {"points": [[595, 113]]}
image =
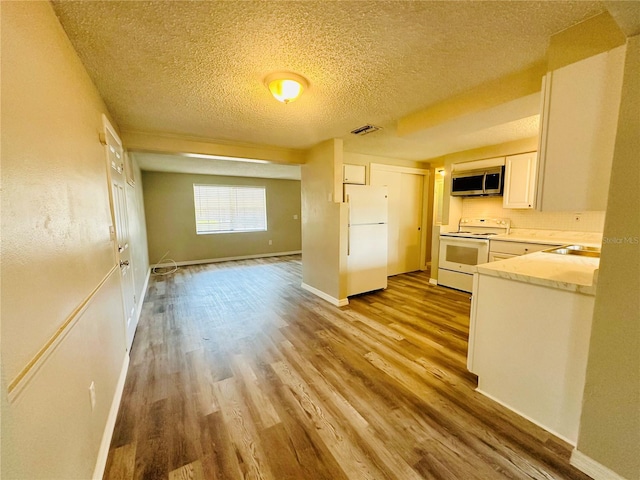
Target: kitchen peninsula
{"points": [[529, 335]]}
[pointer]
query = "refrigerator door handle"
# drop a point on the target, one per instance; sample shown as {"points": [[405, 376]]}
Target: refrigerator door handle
{"points": [[348, 227]]}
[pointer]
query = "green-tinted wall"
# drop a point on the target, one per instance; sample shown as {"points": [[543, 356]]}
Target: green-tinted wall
{"points": [[169, 209]]}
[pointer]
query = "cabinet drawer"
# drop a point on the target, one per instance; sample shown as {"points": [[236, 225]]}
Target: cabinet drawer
{"points": [[517, 248], [497, 256]]}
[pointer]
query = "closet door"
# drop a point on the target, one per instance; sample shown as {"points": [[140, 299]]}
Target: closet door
{"points": [[405, 218]]}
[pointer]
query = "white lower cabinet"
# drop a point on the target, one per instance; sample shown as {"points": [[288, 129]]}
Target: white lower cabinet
{"points": [[496, 257], [528, 344]]}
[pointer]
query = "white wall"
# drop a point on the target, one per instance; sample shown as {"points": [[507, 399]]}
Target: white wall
{"points": [[61, 305]]}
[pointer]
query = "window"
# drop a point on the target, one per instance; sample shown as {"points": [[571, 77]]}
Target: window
{"points": [[227, 209]]}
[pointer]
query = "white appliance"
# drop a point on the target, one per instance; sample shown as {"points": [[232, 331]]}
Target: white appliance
{"points": [[462, 250], [367, 238]]}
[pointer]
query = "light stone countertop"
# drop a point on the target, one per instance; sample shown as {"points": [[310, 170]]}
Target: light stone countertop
{"points": [[558, 237], [565, 272]]}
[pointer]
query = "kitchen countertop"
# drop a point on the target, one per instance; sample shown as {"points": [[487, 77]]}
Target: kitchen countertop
{"points": [[565, 272], [555, 237]]}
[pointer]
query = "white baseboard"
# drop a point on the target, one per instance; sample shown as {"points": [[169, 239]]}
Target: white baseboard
{"points": [[433, 281], [332, 300], [103, 453], [595, 470], [506, 405], [225, 259]]}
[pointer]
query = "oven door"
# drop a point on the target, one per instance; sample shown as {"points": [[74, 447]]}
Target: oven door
{"points": [[461, 254]]}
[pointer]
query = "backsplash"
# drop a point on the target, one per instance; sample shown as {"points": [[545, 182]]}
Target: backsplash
{"points": [[492, 207]]}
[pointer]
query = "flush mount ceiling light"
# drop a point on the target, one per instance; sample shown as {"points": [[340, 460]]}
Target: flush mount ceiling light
{"points": [[285, 86]]}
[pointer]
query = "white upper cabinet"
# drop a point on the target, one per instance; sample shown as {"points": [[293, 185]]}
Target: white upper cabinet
{"points": [[520, 180], [355, 174], [577, 132]]}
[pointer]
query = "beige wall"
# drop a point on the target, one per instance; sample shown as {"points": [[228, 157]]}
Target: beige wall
{"points": [[352, 158], [138, 233], [610, 422], [452, 206], [593, 36], [58, 262], [323, 221], [485, 96], [171, 225]]}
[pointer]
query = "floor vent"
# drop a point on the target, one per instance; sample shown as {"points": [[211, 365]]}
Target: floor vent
{"points": [[363, 130]]}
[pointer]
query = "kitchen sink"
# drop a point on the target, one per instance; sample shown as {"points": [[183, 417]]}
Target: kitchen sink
{"points": [[579, 250]]}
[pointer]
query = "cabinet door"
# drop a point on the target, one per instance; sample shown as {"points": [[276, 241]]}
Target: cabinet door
{"points": [[577, 135], [355, 174], [405, 218], [520, 180]]}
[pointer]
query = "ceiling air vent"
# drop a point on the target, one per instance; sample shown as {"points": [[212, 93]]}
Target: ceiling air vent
{"points": [[363, 130]]}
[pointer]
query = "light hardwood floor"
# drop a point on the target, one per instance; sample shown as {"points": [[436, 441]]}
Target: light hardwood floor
{"points": [[238, 373]]}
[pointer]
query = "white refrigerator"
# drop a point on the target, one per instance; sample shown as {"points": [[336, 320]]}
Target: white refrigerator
{"points": [[367, 238]]}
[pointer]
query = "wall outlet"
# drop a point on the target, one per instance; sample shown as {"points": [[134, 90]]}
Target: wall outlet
{"points": [[295, 217], [270, 242], [92, 395]]}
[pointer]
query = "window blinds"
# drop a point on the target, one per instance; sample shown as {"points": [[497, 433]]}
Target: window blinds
{"points": [[229, 209]]}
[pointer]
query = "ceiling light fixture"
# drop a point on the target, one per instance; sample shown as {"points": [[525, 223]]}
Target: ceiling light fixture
{"points": [[285, 86]]}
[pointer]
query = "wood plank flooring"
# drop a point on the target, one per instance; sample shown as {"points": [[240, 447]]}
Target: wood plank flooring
{"points": [[238, 373]]}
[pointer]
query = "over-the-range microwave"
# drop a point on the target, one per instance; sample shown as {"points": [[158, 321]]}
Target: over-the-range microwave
{"points": [[487, 181]]}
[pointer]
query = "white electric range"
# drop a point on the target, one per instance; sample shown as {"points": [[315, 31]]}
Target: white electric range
{"points": [[462, 250]]}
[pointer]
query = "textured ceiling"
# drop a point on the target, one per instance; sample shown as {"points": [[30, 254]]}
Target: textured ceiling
{"points": [[197, 68]]}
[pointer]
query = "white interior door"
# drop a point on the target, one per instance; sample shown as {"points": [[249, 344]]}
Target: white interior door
{"points": [[406, 199], [117, 182]]}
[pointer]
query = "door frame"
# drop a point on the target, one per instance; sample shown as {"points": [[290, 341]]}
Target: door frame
{"points": [[424, 224], [127, 316]]}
